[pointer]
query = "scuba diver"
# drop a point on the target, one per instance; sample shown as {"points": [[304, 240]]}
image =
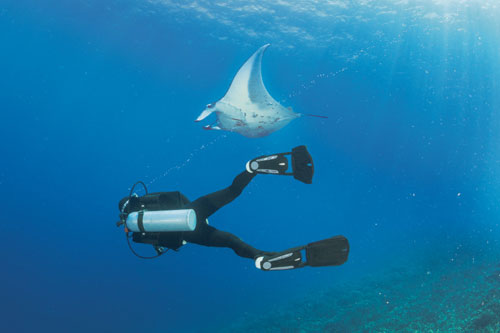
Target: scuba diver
{"points": [[168, 220]]}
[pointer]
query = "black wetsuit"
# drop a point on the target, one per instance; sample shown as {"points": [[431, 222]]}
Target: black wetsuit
{"points": [[204, 207]]}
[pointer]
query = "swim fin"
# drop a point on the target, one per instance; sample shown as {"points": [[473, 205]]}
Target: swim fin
{"points": [[277, 164], [333, 251]]}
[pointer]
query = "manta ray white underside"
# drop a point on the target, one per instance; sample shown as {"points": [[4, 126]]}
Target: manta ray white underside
{"points": [[247, 108]]}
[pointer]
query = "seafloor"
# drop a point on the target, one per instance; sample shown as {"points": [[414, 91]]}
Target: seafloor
{"points": [[452, 298]]}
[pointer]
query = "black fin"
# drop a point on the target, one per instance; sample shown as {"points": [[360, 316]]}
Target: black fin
{"points": [[329, 252], [333, 251], [277, 164]]}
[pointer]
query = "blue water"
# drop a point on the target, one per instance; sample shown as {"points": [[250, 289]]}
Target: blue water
{"points": [[95, 95]]}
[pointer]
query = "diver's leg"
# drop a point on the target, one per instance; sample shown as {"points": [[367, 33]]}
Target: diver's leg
{"points": [[209, 236], [210, 203]]}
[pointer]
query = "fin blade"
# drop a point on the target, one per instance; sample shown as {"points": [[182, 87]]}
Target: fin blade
{"points": [[302, 164], [333, 251]]}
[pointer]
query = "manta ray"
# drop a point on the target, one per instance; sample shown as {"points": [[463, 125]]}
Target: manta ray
{"points": [[247, 108]]}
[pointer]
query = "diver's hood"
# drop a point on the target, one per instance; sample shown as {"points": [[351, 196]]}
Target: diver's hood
{"points": [[129, 204], [122, 203]]}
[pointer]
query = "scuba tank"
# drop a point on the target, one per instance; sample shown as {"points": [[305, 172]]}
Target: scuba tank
{"points": [[161, 220]]}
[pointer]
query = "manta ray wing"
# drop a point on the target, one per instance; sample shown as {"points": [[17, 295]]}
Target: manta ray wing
{"points": [[247, 108], [247, 86]]}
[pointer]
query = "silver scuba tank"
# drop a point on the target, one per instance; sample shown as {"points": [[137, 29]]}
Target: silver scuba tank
{"points": [[162, 220]]}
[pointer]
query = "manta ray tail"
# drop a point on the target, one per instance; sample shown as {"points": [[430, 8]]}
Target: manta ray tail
{"points": [[314, 115]]}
